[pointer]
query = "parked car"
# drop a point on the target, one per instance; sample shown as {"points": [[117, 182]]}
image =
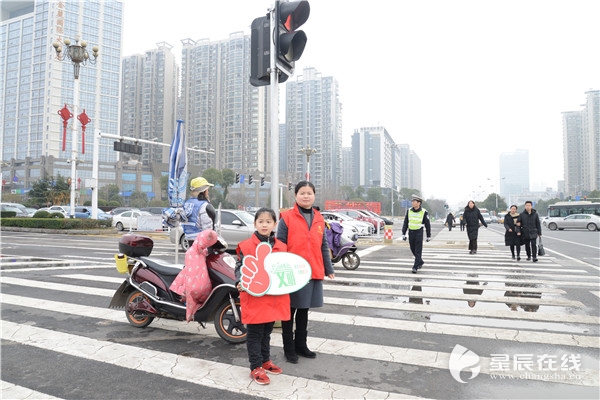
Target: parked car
{"points": [[362, 228], [66, 211], [31, 211], [487, 217], [356, 214], [88, 210], [387, 221], [153, 210], [574, 221], [20, 209], [127, 219], [19, 213], [235, 226], [120, 210]]}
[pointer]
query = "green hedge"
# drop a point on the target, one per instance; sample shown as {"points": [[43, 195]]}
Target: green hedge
{"points": [[56, 223], [8, 214]]}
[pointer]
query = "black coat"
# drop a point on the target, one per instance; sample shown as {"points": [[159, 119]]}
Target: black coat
{"points": [[472, 216], [530, 224], [512, 238]]}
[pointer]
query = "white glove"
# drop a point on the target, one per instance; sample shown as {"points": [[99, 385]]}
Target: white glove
{"points": [[428, 239], [403, 237]]}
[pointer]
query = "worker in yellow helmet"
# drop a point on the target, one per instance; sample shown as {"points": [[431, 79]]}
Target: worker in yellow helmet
{"points": [[200, 213]]}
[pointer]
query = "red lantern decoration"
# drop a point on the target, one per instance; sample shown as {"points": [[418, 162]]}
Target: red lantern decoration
{"points": [[84, 119], [65, 115]]}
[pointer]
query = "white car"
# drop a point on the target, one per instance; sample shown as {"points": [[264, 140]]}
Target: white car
{"points": [[574, 221], [347, 222], [127, 219], [487, 218]]}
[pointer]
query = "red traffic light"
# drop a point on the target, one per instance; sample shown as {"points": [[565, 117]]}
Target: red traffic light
{"points": [[289, 42], [293, 14]]}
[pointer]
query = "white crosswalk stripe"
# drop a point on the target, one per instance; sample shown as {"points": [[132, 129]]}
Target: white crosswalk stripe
{"points": [[453, 299]]}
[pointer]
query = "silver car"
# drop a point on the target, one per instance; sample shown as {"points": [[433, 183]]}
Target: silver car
{"points": [[574, 221], [235, 226]]}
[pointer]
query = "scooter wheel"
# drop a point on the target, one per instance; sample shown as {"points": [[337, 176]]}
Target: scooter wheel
{"points": [[137, 318], [227, 327], [350, 260]]}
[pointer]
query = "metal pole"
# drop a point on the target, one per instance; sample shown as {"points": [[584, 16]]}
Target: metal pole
{"points": [[74, 153], [95, 159], [274, 114]]}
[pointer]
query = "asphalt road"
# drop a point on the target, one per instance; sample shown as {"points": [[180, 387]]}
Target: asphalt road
{"points": [[383, 332]]}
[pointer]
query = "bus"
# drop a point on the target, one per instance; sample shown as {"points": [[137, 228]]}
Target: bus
{"points": [[565, 208]]}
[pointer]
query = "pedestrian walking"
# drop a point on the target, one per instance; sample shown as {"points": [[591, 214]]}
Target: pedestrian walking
{"points": [[450, 221], [462, 222], [512, 236], [472, 216], [415, 219], [302, 228], [531, 230], [260, 313]]}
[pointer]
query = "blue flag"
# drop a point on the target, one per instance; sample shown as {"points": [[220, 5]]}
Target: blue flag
{"points": [[178, 175]]}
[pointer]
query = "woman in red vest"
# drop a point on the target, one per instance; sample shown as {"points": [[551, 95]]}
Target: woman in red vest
{"points": [[302, 228]]}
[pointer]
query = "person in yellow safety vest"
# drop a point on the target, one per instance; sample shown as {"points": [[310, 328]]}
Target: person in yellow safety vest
{"points": [[416, 218]]}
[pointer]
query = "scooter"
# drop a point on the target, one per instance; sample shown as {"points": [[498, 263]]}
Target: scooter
{"points": [[145, 293], [341, 246]]}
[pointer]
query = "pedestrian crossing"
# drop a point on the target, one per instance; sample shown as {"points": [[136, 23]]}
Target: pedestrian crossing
{"points": [[383, 332]]}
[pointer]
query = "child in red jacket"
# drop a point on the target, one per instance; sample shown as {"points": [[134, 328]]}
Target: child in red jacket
{"points": [[260, 313]]}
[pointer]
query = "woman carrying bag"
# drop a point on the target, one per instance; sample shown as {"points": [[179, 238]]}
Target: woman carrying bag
{"points": [[512, 236]]}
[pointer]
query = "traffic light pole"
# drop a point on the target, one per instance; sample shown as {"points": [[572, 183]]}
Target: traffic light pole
{"points": [[274, 113]]}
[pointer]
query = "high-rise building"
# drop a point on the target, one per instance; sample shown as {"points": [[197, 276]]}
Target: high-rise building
{"points": [[149, 100], [514, 173], [221, 110], [379, 162], [581, 147], [34, 86], [314, 121], [591, 134], [347, 166], [573, 151]]}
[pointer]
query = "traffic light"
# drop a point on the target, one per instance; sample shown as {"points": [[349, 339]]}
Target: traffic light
{"points": [[237, 178], [262, 181], [260, 52], [249, 179], [289, 42], [289, 185]]}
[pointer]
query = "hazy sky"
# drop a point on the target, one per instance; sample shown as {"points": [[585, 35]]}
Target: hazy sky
{"points": [[459, 81]]}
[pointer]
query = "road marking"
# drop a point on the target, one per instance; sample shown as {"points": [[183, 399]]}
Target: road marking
{"points": [[182, 368], [11, 391], [234, 378]]}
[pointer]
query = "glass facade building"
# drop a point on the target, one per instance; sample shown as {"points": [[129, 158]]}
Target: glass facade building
{"points": [[34, 85]]}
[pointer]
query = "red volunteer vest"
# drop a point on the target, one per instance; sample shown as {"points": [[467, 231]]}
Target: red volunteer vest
{"points": [[304, 242]]}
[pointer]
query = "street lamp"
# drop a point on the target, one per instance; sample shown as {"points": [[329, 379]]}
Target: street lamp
{"points": [[496, 191], [308, 151], [78, 55]]}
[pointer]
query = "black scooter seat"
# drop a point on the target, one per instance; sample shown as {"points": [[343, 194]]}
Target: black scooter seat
{"points": [[162, 267]]}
